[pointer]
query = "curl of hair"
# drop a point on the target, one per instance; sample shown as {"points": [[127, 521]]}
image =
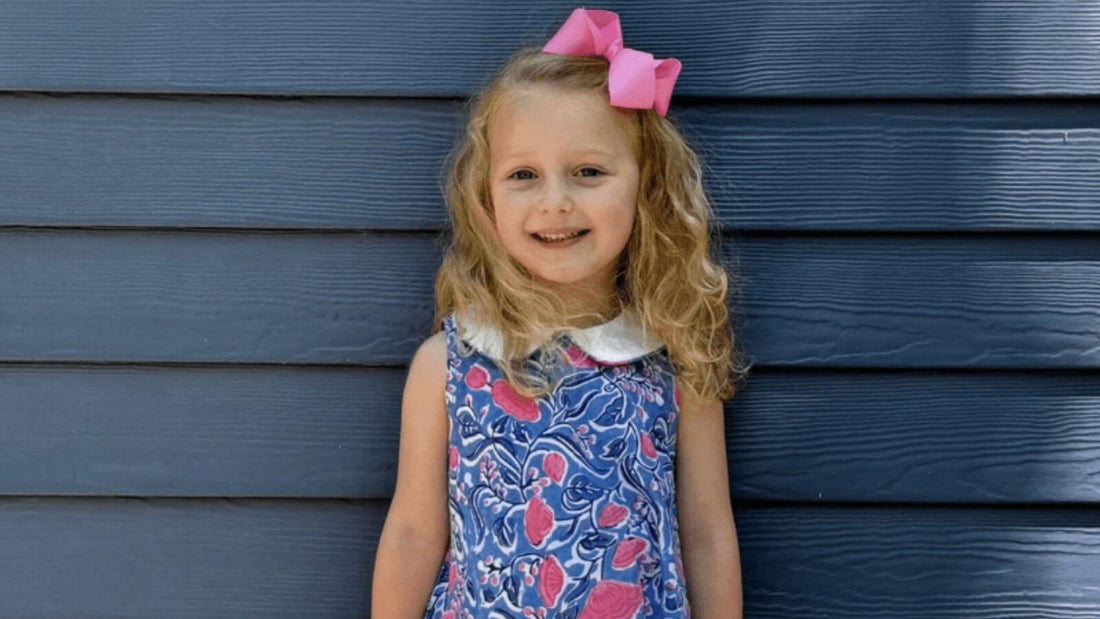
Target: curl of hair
{"points": [[667, 272]]}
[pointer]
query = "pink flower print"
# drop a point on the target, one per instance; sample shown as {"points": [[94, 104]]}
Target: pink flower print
{"points": [[476, 377], [554, 465], [523, 409], [612, 599], [538, 520], [453, 457], [450, 614], [578, 359], [676, 394], [612, 515], [452, 576], [647, 446], [551, 581], [627, 551]]}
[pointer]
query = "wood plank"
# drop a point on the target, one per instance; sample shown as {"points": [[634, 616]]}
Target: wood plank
{"points": [[977, 302], [83, 557], [117, 430], [828, 48], [232, 557], [810, 435], [323, 163], [936, 301], [222, 162], [911, 436], [937, 562]]}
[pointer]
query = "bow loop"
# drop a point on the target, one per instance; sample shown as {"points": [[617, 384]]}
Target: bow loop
{"points": [[635, 79], [613, 49]]}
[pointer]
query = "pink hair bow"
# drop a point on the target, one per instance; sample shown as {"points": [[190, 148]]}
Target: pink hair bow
{"points": [[635, 78]]}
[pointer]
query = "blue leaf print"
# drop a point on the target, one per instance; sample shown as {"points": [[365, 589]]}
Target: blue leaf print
{"points": [[522, 435], [659, 432], [581, 408], [510, 477], [613, 449], [468, 428], [511, 587], [599, 539], [503, 532], [613, 412], [579, 491], [577, 592], [470, 588]]}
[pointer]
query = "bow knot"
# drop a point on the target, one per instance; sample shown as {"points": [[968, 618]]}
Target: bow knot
{"points": [[634, 78]]}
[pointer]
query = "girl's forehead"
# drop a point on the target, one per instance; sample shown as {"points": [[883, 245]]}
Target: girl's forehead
{"points": [[546, 103], [534, 116]]}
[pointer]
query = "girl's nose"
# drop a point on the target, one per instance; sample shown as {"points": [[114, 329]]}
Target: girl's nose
{"points": [[557, 195]]}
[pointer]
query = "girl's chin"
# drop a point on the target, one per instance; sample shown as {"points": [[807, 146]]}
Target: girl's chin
{"points": [[562, 279]]}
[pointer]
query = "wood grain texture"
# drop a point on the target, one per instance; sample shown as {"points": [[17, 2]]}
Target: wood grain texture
{"points": [[186, 431], [323, 163], [122, 557], [901, 437], [366, 298], [908, 436], [937, 301], [841, 48], [275, 558], [219, 227], [941, 562]]}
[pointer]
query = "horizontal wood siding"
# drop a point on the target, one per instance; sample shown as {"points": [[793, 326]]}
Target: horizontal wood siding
{"points": [[834, 48], [374, 163], [229, 557]]}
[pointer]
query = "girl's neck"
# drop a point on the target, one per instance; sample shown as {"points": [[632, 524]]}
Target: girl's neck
{"points": [[602, 300], [607, 311]]}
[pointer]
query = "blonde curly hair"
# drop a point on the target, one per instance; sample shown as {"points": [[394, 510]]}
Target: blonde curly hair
{"points": [[666, 273]]}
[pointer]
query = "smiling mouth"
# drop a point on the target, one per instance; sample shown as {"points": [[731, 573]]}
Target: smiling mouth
{"points": [[558, 238]]}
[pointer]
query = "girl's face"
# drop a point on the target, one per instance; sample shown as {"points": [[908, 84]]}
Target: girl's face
{"points": [[563, 161]]}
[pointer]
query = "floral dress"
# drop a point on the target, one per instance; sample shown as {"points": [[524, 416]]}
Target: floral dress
{"points": [[564, 506]]}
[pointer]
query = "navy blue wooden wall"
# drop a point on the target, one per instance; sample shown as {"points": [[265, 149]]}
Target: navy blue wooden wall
{"points": [[219, 224]]}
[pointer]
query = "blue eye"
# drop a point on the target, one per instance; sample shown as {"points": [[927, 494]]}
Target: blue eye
{"points": [[599, 172]]}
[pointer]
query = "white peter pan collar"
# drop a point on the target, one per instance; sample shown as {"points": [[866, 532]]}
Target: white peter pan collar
{"points": [[618, 340]]}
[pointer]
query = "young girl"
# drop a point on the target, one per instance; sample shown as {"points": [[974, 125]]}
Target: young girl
{"points": [[562, 451]]}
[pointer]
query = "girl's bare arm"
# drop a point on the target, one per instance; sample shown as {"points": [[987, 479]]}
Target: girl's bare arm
{"points": [[416, 533], [708, 535]]}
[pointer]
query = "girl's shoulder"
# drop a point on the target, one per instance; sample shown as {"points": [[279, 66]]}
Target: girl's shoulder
{"points": [[436, 344], [429, 363]]}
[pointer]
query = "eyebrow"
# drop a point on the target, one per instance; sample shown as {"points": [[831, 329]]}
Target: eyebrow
{"points": [[595, 151]]}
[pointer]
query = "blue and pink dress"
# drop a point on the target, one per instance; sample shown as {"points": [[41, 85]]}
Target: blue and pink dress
{"points": [[562, 506]]}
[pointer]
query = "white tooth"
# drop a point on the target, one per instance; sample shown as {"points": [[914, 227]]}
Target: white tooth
{"points": [[560, 237]]}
